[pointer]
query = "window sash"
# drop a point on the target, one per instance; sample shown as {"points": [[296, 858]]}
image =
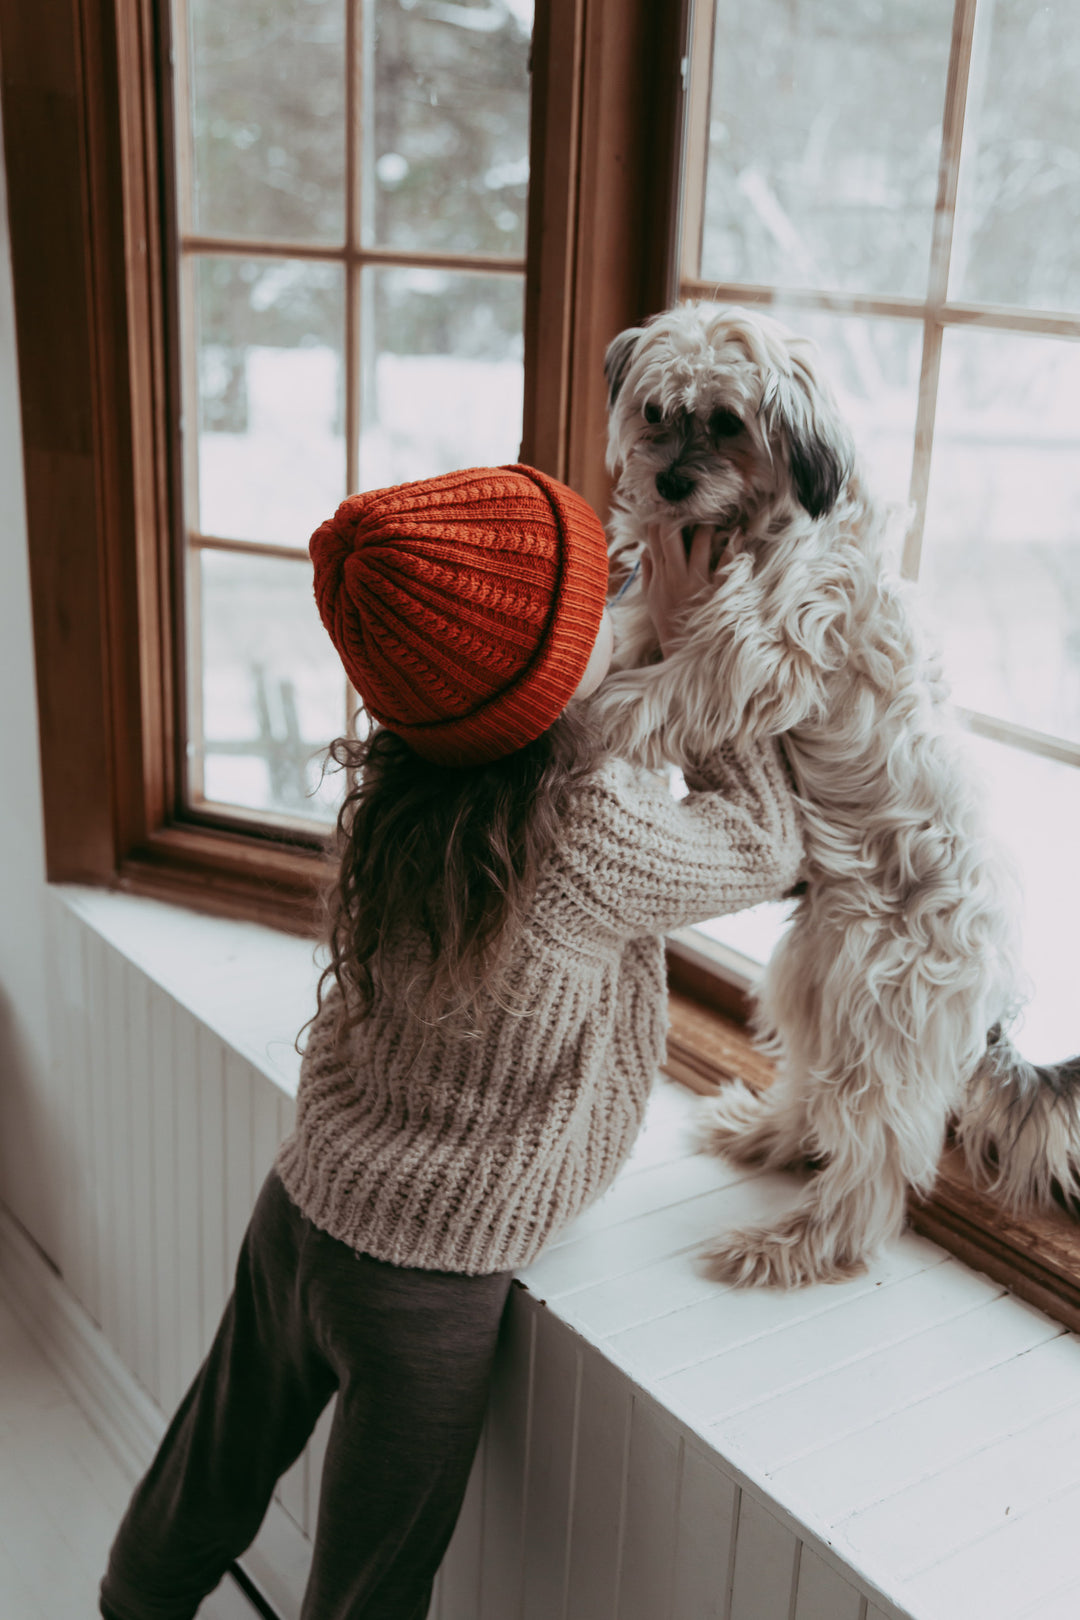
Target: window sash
{"points": [[935, 311]]}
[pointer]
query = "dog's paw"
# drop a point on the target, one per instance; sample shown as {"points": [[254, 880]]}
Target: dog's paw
{"points": [[792, 1254], [745, 1126]]}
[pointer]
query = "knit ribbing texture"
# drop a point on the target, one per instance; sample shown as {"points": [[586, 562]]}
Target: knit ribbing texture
{"points": [[464, 608], [467, 1155]]}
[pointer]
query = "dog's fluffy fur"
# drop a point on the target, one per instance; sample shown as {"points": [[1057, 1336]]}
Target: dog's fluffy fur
{"points": [[886, 1001]]}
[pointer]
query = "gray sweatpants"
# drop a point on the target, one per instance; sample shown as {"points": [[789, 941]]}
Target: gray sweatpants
{"points": [[409, 1354]]}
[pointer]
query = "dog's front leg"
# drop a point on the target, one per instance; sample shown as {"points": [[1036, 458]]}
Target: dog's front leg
{"points": [[853, 1205]]}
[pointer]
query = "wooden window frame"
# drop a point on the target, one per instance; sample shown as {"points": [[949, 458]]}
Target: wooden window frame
{"points": [[87, 125], [86, 138]]}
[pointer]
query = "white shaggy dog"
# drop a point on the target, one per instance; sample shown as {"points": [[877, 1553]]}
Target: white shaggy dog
{"points": [[886, 1000]]}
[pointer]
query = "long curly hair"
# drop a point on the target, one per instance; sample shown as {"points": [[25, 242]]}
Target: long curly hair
{"points": [[436, 867]]}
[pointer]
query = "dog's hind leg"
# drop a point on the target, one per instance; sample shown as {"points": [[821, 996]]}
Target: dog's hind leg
{"points": [[748, 1126], [853, 1205]]}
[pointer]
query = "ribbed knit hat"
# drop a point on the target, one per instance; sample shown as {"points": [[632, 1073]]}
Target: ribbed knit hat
{"points": [[464, 608]]}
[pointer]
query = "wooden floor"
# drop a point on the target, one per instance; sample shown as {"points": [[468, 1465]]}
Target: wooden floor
{"points": [[62, 1494]]}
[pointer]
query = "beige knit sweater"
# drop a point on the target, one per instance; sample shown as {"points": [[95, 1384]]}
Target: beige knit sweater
{"points": [[468, 1154]]}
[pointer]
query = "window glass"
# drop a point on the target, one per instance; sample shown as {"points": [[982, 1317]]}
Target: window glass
{"points": [[812, 165], [873, 369], [1000, 572], [267, 88], [447, 146], [822, 144], [271, 383], [443, 375], [1019, 189], [271, 692], [323, 148]]}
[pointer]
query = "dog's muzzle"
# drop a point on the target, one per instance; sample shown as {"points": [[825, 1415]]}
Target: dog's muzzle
{"points": [[673, 486]]}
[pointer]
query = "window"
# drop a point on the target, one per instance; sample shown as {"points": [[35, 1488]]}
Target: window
{"points": [[306, 249], [903, 185], [350, 191]]}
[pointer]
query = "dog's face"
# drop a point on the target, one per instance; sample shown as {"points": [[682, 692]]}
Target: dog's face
{"points": [[718, 414]]}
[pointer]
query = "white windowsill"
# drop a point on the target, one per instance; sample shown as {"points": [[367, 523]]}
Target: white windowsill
{"points": [[918, 1421]]}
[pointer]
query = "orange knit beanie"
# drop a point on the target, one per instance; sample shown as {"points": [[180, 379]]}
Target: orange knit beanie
{"points": [[464, 608]]}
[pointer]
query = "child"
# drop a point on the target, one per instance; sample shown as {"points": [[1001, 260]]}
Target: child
{"points": [[487, 1033]]}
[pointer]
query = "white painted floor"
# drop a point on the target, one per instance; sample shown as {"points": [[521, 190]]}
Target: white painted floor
{"points": [[62, 1494]]}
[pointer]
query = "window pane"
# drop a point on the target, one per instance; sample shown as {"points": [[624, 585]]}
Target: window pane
{"points": [[1034, 811], [273, 692], [873, 369], [268, 109], [446, 146], [1001, 561], [1019, 192], [443, 373], [271, 390], [824, 140]]}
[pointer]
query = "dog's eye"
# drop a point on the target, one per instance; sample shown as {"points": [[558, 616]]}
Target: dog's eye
{"points": [[652, 414], [724, 424]]}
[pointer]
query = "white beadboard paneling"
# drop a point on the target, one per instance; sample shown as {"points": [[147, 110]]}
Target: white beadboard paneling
{"points": [[143, 1272], [927, 1522], [823, 1594], [103, 1306], [858, 1394], [240, 1085], [1010, 1569], [727, 1316], [79, 1261], [192, 1345], [765, 1565], [506, 1458], [118, 1090], [461, 1575], [919, 1440], [758, 1356], [599, 1490], [265, 1138], [555, 1399], [705, 1537], [215, 1267], [650, 1514], [170, 1382]]}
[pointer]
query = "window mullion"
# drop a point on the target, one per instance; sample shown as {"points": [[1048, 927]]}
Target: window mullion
{"points": [[952, 135], [248, 548], [696, 141], [1022, 737]]}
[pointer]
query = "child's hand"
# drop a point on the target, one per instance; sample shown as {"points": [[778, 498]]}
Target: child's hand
{"points": [[672, 574]]}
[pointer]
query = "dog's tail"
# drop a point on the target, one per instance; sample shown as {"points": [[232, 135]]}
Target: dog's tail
{"points": [[1019, 1127]]}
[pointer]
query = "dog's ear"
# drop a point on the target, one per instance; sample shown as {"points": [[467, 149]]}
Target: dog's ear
{"points": [[818, 472], [620, 352], [819, 454]]}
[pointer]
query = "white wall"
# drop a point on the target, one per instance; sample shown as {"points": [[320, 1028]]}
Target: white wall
{"points": [[27, 1120]]}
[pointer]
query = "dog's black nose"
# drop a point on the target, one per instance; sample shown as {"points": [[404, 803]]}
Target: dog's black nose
{"points": [[672, 485]]}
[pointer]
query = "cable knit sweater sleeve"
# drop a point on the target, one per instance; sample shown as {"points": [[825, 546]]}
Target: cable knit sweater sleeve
{"points": [[646, 863]]}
